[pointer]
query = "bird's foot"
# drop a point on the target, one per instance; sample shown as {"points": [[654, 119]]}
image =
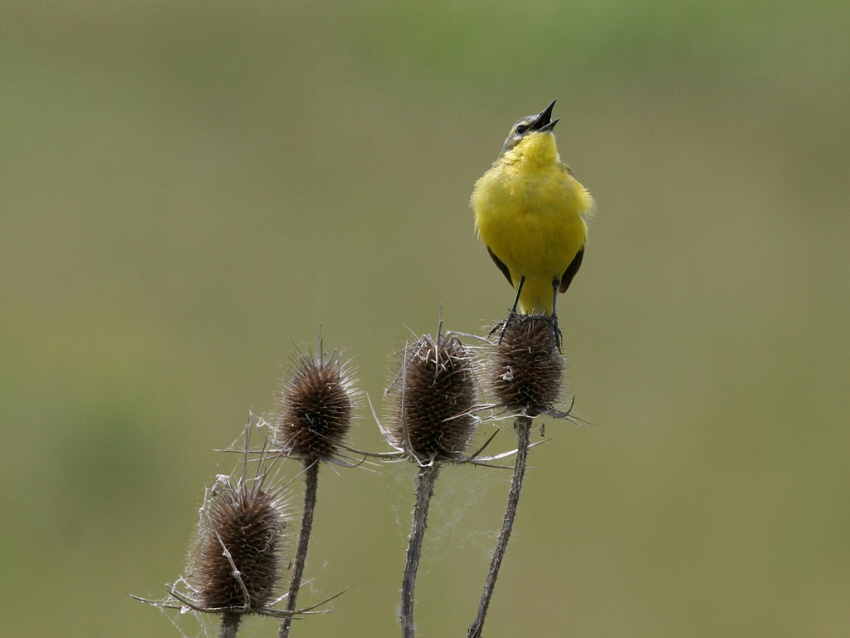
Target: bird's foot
{"points": [[502, 326]]}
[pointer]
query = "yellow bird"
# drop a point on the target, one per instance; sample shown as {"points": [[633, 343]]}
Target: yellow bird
{"points": [[529, 213]]}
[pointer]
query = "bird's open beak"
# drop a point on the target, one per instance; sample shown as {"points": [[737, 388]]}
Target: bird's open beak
{"points": [[544, 121]]}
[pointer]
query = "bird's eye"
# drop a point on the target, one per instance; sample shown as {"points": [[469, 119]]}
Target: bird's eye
{"points": [[521, 129]]}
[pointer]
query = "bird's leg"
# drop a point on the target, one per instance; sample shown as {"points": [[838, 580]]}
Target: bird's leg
{"points": [[554, 330], [518, 292], [504, 323]]}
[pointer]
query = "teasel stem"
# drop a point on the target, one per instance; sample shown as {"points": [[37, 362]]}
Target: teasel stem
{"points": [[315, 415], [229, 625], [526, 378], [311, 487], [433, 423], [426, 479], [522, 425]]}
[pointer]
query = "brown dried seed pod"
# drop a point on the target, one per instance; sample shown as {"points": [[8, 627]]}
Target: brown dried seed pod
{"points": [[316, 406], [435, 399], [527, 371], [245, 523]]}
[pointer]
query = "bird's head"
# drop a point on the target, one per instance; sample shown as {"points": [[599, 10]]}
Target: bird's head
{"points": [[529, 127]]}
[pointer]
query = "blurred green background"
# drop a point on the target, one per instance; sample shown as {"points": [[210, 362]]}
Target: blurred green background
{"points": [[189, 189]]}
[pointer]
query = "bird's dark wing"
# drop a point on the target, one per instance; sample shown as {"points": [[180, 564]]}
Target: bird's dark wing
{"points": [[505, 270], [571, 270]]}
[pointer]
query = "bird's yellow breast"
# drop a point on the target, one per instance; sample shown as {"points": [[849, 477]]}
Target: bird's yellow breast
{"points": [[528, 210]]}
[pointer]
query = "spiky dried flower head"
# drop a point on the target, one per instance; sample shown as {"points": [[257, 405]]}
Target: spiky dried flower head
{"points": [[433, 417], [527, 371], [316, 406], [237, 559]]}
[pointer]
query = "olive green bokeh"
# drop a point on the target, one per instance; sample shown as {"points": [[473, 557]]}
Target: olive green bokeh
{"points": [[189, 188]]}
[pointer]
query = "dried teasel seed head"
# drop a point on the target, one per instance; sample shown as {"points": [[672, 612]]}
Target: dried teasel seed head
{"points": [[527, 370], [315, 408], [433, 417], [237, 566]]}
